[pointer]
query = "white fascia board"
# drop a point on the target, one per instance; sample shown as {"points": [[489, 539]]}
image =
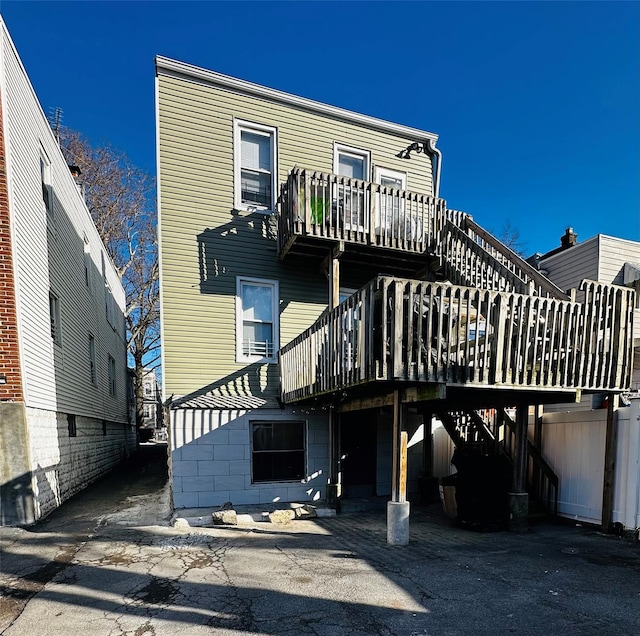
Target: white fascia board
{"points": [[173, 68]]}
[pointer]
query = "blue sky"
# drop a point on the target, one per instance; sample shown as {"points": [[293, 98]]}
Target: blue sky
{"points": [[537, 104]]}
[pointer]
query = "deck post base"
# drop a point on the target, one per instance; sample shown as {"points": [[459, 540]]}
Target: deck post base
{"points": [[518, 511], [333, 495], [398, 522]]}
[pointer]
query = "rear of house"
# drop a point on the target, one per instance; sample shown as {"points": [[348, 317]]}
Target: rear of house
{"points": [[320, 304]]}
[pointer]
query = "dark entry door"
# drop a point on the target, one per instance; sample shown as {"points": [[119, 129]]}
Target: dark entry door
{"points": [[358, 452]]}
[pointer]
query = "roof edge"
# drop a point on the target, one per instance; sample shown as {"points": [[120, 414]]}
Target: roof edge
{"points": [[174, 68]]}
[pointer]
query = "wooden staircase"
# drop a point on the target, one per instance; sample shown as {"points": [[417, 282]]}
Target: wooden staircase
{"points": [[492, 432]]}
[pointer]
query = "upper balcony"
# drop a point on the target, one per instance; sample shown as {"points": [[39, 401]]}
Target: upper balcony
{"points": [[321, 210]]}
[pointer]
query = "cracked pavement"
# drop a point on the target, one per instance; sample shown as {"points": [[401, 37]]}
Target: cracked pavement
{"points": [[107, 562]]}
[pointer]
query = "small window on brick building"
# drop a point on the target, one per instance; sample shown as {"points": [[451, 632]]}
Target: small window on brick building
{"points": [[71, 424]]}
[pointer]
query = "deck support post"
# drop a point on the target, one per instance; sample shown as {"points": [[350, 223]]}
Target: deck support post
{"points": [[398, 508], [518, 497], [334, 487], [610, 446]]}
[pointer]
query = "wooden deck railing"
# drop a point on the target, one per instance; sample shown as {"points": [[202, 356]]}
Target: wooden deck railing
{"points": [[330, 206], [414, 331], [473, 257]]}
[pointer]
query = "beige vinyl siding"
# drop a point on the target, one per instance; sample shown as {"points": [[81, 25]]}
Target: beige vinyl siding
{"points": [[205, 246], [569, 268], [614, 253], [50, 256]]}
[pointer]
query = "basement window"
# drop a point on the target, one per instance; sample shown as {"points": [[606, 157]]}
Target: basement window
{"points": [[278, 451], [71, 425]]}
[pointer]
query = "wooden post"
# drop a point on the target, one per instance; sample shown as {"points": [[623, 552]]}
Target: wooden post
{"points": [[400, 439], [334, 486], [610, 445]]}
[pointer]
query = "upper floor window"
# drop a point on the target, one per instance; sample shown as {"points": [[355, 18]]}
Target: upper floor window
{"points": [[255, 166], [45, 179], [257, 319], [112, 376], [87, 261], [351, 162], [93, 376], [350, 199], [54, 318]]}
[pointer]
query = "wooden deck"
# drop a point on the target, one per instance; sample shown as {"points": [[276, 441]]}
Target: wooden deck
{"points": [[318, 208], [409, 332]]}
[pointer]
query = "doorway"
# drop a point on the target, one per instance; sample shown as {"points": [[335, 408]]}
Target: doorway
{"points": [[358, 452]]}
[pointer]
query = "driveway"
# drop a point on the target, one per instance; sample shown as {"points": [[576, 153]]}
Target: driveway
{"points": [[81, 572]]}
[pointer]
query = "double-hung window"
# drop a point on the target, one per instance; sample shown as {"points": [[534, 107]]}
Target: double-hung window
{"points": [[255, 166], [277, 451], [45, 179], [93, 376], [257, 319], [54, 318], [112, 376], [350, 198], [390, 215]]}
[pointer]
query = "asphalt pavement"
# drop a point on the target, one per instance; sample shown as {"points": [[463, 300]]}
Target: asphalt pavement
{"points": [[108, 562]]}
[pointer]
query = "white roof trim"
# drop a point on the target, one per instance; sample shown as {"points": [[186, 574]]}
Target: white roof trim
{"points": [[173, 68]]}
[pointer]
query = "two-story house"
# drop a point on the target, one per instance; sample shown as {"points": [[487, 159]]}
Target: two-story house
{"points": [[63, 394], [320, 304]]}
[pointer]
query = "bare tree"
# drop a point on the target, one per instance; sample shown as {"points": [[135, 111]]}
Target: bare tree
{"points": [[121, 199], [510, 236]]}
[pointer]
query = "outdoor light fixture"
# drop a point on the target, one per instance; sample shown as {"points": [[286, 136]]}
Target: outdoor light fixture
{"points": [[3, 378], [416, 146]]}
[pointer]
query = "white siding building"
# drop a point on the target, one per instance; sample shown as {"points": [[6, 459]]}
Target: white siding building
{"points": [[63, 395]]}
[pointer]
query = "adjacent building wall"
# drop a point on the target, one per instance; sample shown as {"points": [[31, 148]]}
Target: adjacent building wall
{"points": [[54, 253]]}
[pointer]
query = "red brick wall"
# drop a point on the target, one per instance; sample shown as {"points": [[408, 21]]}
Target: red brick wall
{"points": [[9, 344]]}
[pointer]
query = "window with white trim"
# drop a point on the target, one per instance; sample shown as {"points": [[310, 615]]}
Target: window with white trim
{"points": [[255, 169], [87, 262], [278, 450], [112, 376], [257, 319], [54, 318], [390, 213], [93, 376], [350, 199], [45, 179]]}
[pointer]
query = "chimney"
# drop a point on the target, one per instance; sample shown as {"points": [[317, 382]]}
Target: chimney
{"points": [[568, 239]]}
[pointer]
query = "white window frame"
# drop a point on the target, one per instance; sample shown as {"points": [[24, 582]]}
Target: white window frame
{"points": [[111, 362], [87, 262], [240, 125], [45, 180], [342, 149], [55, 321], [379, 174], [275, 299], [93, 368]]}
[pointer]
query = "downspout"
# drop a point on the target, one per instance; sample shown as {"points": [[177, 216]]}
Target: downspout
{"points": [[437, 169]]}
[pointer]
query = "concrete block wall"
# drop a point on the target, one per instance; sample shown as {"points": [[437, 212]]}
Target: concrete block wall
{"points": [[211, 458], [63, 465]]}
